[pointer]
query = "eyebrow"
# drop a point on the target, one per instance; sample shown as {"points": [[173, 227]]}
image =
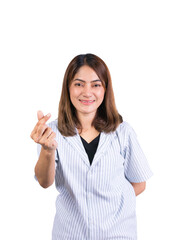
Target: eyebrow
{"points": [[77, 79]]}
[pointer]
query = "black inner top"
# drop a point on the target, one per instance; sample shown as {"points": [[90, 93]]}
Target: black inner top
{"points": [[91, 147]]}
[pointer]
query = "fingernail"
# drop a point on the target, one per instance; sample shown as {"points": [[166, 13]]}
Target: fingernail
{"points": [[48, 115]]}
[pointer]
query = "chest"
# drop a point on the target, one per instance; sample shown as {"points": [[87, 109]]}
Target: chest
{"points": [[75, 172], [89, 136], [73, 158]]}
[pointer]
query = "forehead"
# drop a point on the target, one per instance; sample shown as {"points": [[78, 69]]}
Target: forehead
{"points": [[86, 73]]}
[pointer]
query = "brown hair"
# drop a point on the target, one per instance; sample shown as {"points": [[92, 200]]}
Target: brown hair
{"points": [[107, 117]]}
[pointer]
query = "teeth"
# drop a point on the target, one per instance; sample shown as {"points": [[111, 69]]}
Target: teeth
{"points": [[86, 101]]}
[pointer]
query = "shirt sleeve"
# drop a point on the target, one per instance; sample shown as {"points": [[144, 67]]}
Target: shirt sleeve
{"points": [[136, 166]]}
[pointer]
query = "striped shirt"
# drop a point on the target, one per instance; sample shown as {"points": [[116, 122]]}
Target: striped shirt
{"points": [[97, 201]]}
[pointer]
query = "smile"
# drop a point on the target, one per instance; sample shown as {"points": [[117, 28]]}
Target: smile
{"points": [[87, 102]]}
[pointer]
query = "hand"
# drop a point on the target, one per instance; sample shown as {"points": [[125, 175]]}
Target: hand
{"points": [[43, 134]]}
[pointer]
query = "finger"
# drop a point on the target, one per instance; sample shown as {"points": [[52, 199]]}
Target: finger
{"points": [[43, 132], [52, 136], [44, 119], [47, 133], [40, 115], [38, 129], [52, 141]]}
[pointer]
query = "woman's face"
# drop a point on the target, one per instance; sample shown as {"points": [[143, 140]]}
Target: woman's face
{"points": [[86, 91]]}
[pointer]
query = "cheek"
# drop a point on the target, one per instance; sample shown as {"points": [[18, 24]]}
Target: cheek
{"points": [[73, 92], [101, 94], [72, 95]]}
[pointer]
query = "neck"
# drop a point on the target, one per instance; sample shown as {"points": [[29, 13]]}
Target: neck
{"points": [[86, 121]]}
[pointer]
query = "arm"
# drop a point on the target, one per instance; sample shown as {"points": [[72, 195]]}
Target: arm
{"points": [[45, 167], [139, 187]]}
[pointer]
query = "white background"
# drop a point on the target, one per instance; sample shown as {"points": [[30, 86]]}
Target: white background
{"points": [[144, 44]]}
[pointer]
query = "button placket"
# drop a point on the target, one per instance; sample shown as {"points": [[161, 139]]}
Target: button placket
{"points": [[89, 201]]}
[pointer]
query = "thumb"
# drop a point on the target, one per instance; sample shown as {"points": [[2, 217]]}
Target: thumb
{"points": [[40, 115]]}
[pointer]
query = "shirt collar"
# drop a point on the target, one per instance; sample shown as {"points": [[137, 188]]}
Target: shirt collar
{"points": [[104, 142]]}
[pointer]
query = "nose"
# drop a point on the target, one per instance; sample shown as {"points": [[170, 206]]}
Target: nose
{"points": [[87, 92]]}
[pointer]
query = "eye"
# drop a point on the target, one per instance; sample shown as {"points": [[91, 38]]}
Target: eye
{"points": [[97, 85], [78, 84]]}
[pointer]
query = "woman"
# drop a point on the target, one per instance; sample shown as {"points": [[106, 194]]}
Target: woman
{"points": [[93, 155]]}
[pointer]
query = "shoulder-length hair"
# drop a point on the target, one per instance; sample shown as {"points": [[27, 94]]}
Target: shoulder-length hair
{"points": [[107, 117]]}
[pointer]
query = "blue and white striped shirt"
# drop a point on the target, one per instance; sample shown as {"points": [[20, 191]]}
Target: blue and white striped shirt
{"points": [[97, 201]]}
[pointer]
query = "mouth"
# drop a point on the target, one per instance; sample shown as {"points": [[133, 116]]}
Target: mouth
{"points": [[86, 102]]}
